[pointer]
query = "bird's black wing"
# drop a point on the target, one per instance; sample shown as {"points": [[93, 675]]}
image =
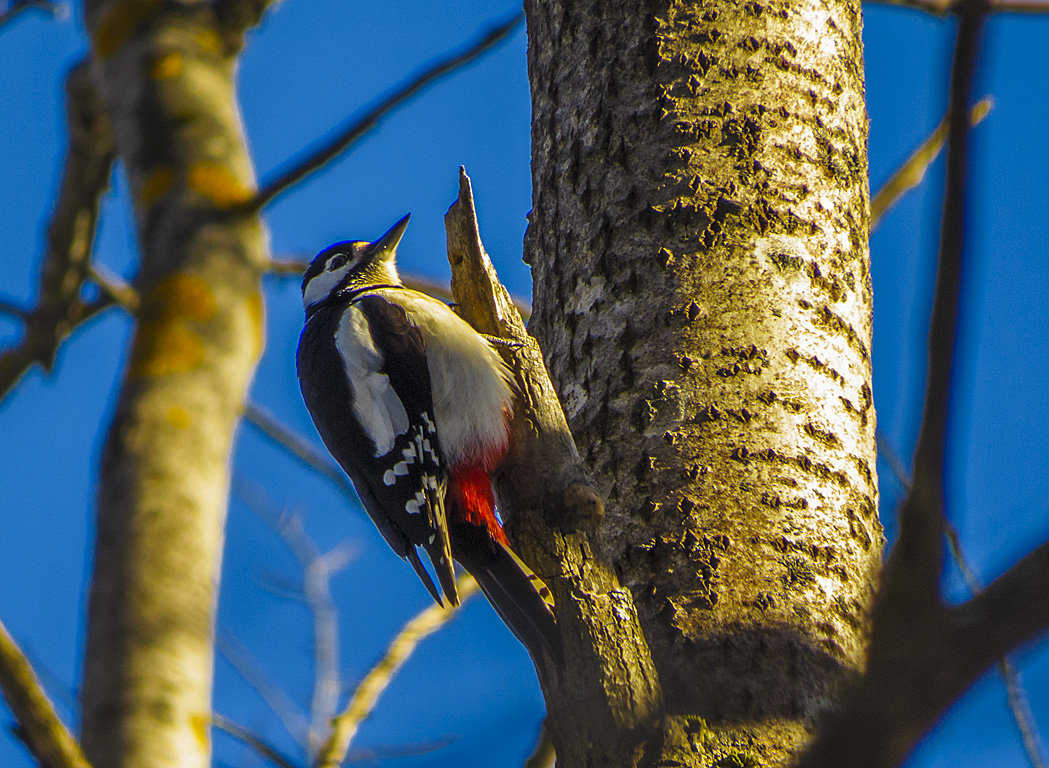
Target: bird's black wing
{"points": [[362, 369]]}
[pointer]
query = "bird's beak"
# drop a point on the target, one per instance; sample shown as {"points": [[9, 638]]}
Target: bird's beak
{"points": [[383, 248]]}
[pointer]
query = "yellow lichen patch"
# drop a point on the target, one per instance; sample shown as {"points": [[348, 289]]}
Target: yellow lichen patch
{"points": [[178, 417], [256, 313], [156, 185], [167, 341], [168, 65], [182, 295], [200, 724], [164, 347], [218, 184], [118, 22], [208, 41]]}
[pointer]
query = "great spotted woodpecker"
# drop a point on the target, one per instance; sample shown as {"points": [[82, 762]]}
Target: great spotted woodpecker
{"points": [[414, 405]]}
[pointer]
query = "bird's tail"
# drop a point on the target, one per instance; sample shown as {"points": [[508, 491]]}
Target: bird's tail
{"points": [[479, 544]]}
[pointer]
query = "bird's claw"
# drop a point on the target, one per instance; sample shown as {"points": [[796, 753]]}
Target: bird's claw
{"points": [[499, 341]]}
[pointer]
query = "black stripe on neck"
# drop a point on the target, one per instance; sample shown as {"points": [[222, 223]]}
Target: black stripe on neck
{"points": [[353, 293], [347, 294]]}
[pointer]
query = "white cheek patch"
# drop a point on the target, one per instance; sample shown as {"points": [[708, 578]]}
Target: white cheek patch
{"points": [[323, 284], [375, 403]]}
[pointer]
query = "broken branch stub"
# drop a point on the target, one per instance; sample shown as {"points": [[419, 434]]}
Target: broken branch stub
{"points": [[540, 438], [609, 693]]}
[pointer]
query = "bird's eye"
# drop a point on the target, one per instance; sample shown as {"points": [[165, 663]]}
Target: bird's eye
{"points": [[337, 261]]}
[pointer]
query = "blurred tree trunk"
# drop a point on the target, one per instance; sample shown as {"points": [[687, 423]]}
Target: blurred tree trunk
{"points": [[165, 74], [698, 244]]}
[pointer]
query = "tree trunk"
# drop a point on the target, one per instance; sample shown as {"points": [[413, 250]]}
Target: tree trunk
{"points": [[698, 244], [166, 76]]}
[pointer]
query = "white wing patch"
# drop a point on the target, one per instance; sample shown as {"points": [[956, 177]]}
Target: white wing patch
{"points": [[376, 405]]}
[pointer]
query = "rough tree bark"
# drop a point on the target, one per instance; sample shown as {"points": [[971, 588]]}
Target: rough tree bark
{"points": [[165, 72], [698, 243]]}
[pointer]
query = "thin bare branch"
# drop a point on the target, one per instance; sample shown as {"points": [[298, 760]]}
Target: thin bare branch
{"points": [[276, 699], [40, 728], [344, 726], [954, 544], [120, 292], [300, 449], [289, 266], [15, 7], [280, 588], [892, 458], [317, 569], [917, 558], [42, 349], [1020, 706], [339, 556], [1011, 611], [910, 174], [70, 234], [319, 156], [12, 309], [242, 734]]}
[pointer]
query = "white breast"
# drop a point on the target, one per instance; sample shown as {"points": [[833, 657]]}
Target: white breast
{"points": [[376, 405], [470, 384]]}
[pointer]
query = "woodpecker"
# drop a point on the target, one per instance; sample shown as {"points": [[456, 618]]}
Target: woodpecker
{"points": [[415, 405]]}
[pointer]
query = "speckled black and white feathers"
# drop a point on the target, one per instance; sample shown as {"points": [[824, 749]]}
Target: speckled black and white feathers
{"points": [[415, 406], [363, 374]]}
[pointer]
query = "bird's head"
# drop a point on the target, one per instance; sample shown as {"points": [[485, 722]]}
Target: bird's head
{"points": [[351, 265]]}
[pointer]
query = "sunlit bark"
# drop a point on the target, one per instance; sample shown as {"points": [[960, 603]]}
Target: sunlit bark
{"points": [[698, 243]]}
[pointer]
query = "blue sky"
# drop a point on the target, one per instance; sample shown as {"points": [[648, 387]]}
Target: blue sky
{"points": [[310, 67]]}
